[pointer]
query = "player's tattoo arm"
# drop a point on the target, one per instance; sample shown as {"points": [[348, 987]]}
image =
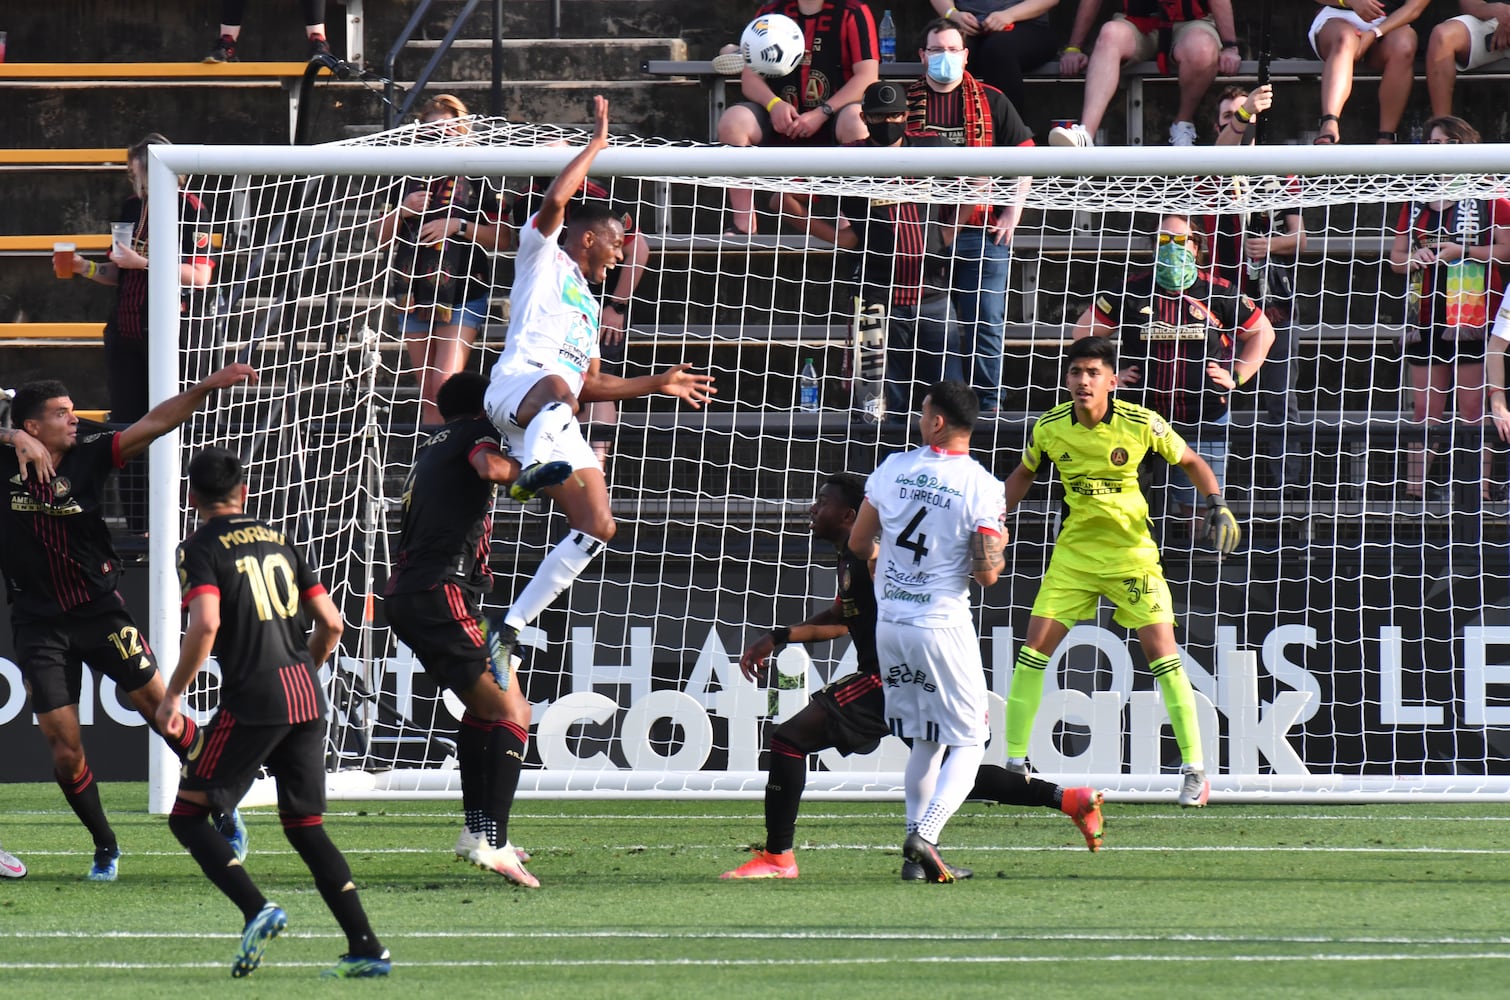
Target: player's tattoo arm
{"points": [[987, 554]]}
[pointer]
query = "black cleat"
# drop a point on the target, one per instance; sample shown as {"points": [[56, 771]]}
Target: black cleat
{"points": [[913, 872], [926, 857]]}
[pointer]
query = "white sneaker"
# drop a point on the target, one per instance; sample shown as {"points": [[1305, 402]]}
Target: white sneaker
{"points": [[729, 63], [1182, 134], [1194, 788], [10, 865], [1075, 135]]}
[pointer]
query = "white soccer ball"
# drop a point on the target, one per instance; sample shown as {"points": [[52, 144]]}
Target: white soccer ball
{"points": [[773, 45]]}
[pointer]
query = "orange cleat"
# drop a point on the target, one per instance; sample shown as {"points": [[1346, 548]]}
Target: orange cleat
{"points": [[1083, 807], [765, 865]]}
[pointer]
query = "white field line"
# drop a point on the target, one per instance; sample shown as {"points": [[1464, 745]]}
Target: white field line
{"points": [[1110, 849]]}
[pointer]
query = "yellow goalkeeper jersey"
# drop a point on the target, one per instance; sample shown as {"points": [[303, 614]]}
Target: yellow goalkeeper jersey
{"points": [[1107, 525]]}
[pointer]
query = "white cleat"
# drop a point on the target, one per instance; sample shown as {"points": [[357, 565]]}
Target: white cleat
{"points": [[1194, 788]]}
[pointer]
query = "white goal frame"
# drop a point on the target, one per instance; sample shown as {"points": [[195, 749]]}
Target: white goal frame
{"points": [[165, 163]]}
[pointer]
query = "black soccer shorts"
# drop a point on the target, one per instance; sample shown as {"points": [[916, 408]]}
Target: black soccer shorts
{"points": [[52, 652], [855, 706], [228, 754], [444, 628]]}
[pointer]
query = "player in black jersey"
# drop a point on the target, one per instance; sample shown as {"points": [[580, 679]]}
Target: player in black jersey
{"points": [[244, 586], [60, 575], [849, 714], [432, 604]]}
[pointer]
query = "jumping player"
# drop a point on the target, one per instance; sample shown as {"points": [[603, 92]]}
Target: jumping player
{"points": [[550, 367], [243, 586], [61, 572], [432, 605], [1104, 547]]}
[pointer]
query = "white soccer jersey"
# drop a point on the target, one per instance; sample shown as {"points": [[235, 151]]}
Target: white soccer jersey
{"points": [[930, 503], [553, 316], [1502, 318]]}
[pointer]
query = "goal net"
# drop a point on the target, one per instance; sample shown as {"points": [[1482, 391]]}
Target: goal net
{"points": [[1354, 646]]}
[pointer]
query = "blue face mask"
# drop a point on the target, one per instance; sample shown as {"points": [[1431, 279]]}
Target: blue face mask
{"points": [[1174, 267], [946, 67]]}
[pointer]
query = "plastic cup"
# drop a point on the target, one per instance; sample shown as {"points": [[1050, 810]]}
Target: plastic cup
{"points": [[121, 233], [62, 259]]}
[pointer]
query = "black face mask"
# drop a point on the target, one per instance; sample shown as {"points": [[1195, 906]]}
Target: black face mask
{"points": [[886, 133]]}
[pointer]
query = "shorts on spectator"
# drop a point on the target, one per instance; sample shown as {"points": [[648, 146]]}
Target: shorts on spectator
{"points": [[825, 136], [1148, 41], [1480, 34], [1331, 13], [426, 319]]}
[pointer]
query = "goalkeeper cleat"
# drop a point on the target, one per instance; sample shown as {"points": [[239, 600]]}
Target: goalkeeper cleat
{"points": [[10, 865], [503, 648], [106, 867], [505, 861], [360, 967], [1194, 788], [230, 826], [467, 842], [926, 855], [266, 925], [913, 872], [766, 865], [1017, 765], [521, 853], [537, 477], [1083, 807]]}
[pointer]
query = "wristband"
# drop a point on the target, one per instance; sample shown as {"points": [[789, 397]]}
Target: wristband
{"points": [[91, 270], [619, 302], [952, 12], [1238, 376], [1342, 4], [1378, 31], [781, 635], [771, 104], [461, 230], [1243, 115], [1070, 48], [1229, 45]]}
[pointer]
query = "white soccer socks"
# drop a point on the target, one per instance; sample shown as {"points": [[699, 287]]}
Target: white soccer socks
{"points": [[955, 780], [561, 566], [553, 420]]}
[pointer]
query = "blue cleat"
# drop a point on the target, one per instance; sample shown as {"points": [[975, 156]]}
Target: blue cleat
{"points": [[503, 648], [537, 477], [105, 867], [230, 826], [360, 967], [266, 925]]}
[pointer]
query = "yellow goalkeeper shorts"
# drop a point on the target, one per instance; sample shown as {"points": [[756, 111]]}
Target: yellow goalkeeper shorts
{"points": [[1071, 595]]}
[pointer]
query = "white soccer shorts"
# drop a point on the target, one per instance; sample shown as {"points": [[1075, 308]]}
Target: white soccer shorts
{"points": [[502, 402], [934, 682]]}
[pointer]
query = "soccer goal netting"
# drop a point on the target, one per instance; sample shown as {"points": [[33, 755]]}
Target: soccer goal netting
{"points": [[1354, 646]]}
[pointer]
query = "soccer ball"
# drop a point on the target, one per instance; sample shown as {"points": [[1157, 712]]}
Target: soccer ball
{"points": [[773, 45]]}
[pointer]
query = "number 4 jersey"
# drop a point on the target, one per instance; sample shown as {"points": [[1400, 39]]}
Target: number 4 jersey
{"points": [[930, 503], [262, 582]]}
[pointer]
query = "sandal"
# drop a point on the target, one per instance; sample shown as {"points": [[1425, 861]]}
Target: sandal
{"points": [[1324, 138], [1389, 138]]}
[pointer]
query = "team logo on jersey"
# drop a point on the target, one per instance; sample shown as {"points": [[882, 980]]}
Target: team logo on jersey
{"points": [[1158, 427], [844, 577], [1249, 303], [1119, 456], [61, 487], [1063, 458], [201, 241], [1198, 312]]}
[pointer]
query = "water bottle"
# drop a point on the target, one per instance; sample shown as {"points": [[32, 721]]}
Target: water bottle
{"points": [[886, 34], [807, 388]]}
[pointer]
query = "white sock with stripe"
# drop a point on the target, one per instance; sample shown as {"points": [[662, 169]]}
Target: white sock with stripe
{"points": [[956, 778], [561, 566], [553, 420]]}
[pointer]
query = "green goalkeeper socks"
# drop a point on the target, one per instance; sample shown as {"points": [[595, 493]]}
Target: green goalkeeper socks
{"points": [[1179, 702], [1024, 698]]}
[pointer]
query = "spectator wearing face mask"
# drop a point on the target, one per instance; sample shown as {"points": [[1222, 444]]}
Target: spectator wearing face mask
{"points": [[1186, 344], [949, 102]]}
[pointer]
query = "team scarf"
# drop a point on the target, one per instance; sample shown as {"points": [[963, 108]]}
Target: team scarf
{"points": [[977, 110]]}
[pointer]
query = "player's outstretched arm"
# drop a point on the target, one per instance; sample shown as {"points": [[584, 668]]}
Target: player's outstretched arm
{"points": [[169, 414], [678, 380], [494, 466], [553, 203], [198, 640], [328, 626], [824, 626]]}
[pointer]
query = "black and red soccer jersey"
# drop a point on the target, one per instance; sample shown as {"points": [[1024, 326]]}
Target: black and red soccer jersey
{"points": [[840, 35], [448, 512], [1463, 293], [55, 549], [262, 646], [944, 114], [1171, 337], [130, 319], [856, 602]]}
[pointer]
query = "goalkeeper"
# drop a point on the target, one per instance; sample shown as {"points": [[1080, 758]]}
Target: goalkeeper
{"points": [[1104, 546]]}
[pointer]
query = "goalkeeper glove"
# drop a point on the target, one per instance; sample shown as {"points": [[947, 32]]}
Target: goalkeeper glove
{"points": [[1221, 526]]}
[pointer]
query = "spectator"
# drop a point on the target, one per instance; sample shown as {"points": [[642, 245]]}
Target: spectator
{"points": [[613, 330], [1186, 344], [950, 102], [1256, 252], [1198, 35], [818, 103], [1377, 33], [1450, 252], [1007, 38], [126, 332], [443, 276], [231, 12], [904, 264], [1480, 35]]}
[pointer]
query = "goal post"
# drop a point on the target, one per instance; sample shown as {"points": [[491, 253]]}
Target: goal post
{"points": [[1353, 649]]}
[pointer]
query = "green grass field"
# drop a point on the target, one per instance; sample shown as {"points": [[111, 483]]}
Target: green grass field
{"points": [[1256, 901]]}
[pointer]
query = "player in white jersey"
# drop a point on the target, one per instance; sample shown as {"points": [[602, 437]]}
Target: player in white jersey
{"points": [[549, 368], [938, 514]]}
